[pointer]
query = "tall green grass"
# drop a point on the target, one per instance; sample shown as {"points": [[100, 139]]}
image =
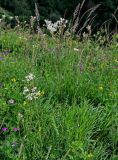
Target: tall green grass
{"points": [[77, 117]]}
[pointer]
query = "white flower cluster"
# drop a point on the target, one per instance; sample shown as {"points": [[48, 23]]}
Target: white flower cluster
{"points": [[53, 27], [30, 77], [30, 92]]}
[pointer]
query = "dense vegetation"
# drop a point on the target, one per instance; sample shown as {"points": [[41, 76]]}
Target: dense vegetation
{"points": [[58, 89], [53, 9], [75, 114]]}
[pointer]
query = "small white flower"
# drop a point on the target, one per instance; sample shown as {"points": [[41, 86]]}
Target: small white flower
{"points": [[88, 27], [30, 77], [20, 115], [85, 35], [66, 21], [25, 90], [76, 49], [38, 93], [51, 28], [33, 89], [11, 101], [67, 33], [29, 97], [33, 94]]}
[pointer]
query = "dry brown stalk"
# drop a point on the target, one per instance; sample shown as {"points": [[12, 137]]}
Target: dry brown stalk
{"points": [[77, 19]]}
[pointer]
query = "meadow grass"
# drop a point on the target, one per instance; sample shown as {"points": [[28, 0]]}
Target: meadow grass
{"points": [[75, 116]]}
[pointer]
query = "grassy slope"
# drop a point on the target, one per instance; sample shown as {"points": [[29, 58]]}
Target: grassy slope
{"points": [[77, 117]]}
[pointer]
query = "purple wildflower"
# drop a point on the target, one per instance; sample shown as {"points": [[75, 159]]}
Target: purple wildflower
{"points": [[15, 129], [1, 84], [4, 129], [1, 58], [5, 52], [14, 144], [81, 67]]}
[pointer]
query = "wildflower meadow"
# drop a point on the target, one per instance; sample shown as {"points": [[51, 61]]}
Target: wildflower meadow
{"points": [[58, 96]]}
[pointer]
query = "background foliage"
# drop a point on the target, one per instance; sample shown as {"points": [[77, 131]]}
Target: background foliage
{"points": [[51, 9]]}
